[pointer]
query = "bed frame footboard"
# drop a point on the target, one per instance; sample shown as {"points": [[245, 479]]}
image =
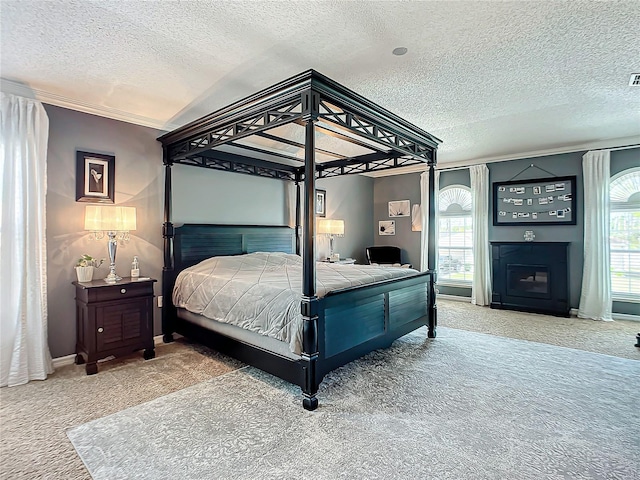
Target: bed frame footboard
{"points": [[344, 325], [351, 324], [356, 321]]}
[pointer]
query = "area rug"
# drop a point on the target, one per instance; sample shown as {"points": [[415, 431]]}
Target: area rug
{"points": [[462, 406]]}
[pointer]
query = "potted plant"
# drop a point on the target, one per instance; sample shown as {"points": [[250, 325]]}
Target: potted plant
{"points": [[84, 267]]}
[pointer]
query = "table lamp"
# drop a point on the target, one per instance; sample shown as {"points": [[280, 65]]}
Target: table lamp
{"points": [[332, 229], [116, 222]]}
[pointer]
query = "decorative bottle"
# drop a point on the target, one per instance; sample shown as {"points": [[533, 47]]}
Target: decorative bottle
{"points": [[135, 268]]}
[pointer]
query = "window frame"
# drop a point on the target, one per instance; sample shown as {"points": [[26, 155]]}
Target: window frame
{"points": [[464, 214], [621, 207]]}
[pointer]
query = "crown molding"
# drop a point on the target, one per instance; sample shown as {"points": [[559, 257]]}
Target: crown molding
{"points": [[612, 144], [17, 88], [20, 89]]}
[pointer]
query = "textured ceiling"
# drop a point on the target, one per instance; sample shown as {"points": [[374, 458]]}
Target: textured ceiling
{"points": [[491, 79]]}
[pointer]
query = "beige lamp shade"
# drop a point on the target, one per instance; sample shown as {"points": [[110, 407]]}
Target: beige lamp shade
{"points": [[109, 219], [330, 227]]}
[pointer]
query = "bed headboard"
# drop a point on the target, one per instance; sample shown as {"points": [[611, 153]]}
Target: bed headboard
{"points": [[196, 242]]}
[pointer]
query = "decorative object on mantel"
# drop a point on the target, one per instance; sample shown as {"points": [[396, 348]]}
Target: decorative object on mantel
{"points": [[399, 208], [332, 229], [416, 218], [387, 227], [116, 222], [529, 236], [85, 266], [95, 177], [542, 201]]}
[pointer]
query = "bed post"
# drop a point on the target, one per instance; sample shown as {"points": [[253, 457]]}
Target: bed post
{"points": [[297, 214], [167, 271], [431, 252], [309, 304]]}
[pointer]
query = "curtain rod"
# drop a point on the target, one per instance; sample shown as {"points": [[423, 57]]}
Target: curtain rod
{"points": [[612, 149]]}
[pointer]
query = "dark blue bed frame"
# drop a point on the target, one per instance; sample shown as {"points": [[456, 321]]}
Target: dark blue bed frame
{"points": [[350, 322], [343, 325]]}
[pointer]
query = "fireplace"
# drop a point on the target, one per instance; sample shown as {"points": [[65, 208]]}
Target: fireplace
{"points": [[528, 280], [531, 277]]}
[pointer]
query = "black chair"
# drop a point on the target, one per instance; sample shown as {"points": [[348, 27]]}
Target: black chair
{"points": [[385, 256]]}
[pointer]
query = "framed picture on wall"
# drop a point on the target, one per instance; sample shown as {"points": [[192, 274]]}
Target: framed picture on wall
{"points": [[542, 201], [399, 208], [387, 227], [321, 203], [95, 177]]}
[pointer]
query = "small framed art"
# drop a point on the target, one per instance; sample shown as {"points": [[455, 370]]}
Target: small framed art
{"points": [[399, 208], [321, 203], [387, 227], [95, 177]]}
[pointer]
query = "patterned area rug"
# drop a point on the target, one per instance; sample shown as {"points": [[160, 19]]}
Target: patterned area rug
{"points": [[465, 406]]}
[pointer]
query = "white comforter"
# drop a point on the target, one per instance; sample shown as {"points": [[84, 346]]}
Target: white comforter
{"points": [[261, 292]]}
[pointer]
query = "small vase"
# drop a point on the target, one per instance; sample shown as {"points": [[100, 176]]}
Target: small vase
{"points": [[85, 274]]}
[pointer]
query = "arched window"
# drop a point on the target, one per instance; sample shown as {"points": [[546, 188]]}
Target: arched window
{"points": [[455, 236], [624, 237]]}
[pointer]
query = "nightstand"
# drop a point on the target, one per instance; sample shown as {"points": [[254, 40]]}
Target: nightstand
{"points": [[113, 319], [342, 261]]}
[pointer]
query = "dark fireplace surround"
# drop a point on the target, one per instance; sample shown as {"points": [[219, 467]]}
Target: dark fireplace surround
{"points": [[531, 277]]}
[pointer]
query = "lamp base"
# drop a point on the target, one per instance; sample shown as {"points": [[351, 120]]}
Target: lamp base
{"points": [[112, 278], [113, 244]]}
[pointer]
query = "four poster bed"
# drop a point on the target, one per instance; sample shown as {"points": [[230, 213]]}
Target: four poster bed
{"points": [[223, 285]]}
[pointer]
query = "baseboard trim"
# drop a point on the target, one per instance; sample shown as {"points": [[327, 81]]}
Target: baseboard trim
{"points": [[625, 316], [63, 361], [70, 359], [457, 298], [616, 316]]}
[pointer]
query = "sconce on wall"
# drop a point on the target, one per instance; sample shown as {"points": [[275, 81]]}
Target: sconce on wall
{"points": [[116, 222]]}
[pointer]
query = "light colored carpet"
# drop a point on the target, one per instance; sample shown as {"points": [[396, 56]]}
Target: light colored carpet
{"points": [[611, 338], [34, 417], [466, 405]]}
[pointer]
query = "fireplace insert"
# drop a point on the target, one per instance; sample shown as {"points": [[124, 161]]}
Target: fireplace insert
{"points": [[531, 276], [528, 280]]}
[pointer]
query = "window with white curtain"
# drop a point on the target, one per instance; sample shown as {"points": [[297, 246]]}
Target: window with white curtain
{"points": [[455, 236], [624, 237]]}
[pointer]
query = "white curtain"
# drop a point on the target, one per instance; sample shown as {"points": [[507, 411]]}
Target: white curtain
{"points": [[595, 297], [24, 133], [424, 207], [481, 286]]}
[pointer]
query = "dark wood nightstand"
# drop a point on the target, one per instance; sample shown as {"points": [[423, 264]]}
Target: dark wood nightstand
{"points": [[113, 319]]}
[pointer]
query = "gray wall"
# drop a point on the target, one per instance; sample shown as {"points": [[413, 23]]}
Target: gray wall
{"points": [[138, 183], [349, 198], [200, 195], [210, 196], [557, 165], [388, 189], [207, 196], [405, 187]]}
